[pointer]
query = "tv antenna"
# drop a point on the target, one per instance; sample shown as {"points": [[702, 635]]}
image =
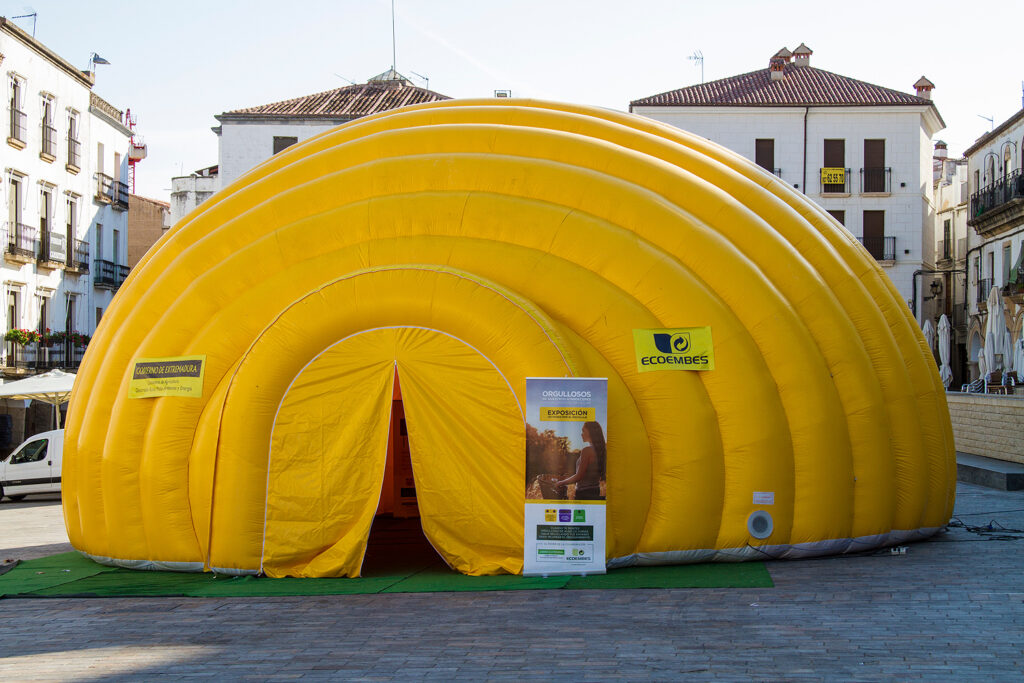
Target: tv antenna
{"points": [[991, 121], [425, 79], [347, 80], [31, 16], [698, 59], [394, 49]]}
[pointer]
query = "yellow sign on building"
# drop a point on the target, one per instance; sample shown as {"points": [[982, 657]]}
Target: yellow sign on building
{"points": [[833, 176]]}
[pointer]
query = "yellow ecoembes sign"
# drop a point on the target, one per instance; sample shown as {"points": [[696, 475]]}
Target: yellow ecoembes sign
{"points": [[180, 376], [833, 176], [567, 414], [677, 348]]}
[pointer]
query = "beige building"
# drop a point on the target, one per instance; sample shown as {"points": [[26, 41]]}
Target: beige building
{"points": [[147, 221]]}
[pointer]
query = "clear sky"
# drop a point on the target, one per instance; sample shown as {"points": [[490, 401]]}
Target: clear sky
{"points": [[176, 64]]}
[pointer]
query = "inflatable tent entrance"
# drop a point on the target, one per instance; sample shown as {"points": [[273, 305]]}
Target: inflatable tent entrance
{"points": [[467, 245]]}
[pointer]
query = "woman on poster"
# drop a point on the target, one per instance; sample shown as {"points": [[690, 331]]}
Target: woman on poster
{"points": [[590, 466]]}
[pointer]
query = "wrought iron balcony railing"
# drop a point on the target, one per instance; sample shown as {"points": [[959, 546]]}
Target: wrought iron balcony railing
{"points": [[1002, 191], [18, 129], [875, 180], [78, 256], [63, 356], [20, 240], [883, 247], [109, 275], [984, 287], [121, 195], [49, 146], [74, 153]]}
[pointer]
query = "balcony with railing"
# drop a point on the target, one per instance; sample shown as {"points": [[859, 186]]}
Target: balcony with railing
{"points": [[882, 247], [18, 134], [48, 150], [999, 204], [875, 180], [63, 356], [110, 191], [20, 242], [981, 293], [78, 257], [109, 275], [835, 181], [74, 155]]}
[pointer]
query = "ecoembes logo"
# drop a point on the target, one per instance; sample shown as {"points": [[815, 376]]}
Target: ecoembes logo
{"points": [[687, 348]]}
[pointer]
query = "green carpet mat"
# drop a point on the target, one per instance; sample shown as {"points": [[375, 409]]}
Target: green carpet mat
{"points": [[71, 575]]}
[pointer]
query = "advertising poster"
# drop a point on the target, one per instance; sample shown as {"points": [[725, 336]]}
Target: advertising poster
{"points": [[566, 464]]}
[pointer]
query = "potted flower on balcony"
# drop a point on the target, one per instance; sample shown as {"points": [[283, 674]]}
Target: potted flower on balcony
{"points": [[79, 338], [46, 338], [22, 336]]}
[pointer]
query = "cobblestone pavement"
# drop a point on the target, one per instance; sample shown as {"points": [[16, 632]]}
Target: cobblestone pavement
{"points": [[950, 609]]}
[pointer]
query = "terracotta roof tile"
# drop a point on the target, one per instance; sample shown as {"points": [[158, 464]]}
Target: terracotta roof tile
{"points": [[349, 102], [802, 86]]}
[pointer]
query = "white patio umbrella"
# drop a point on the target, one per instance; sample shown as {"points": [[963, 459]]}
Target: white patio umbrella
{"points": [[53, 387], [929, 334], [1018, 357], [1008, 361], [945, 372], [995, 329]]}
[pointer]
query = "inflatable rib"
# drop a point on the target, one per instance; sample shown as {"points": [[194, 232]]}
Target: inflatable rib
{"points": [[465, 245]]}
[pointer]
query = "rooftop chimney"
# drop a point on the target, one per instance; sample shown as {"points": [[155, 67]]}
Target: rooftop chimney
{"points": [[777, 64], [924, 88], [803, 55]]}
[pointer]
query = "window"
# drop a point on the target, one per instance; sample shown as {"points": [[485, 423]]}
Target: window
{"points": [[990, 168], [977, 269], [1007, 262], [13, 204], [13, 309], [45, 206], [71, 227], [875, 173], [838, 215], [99, 314], [991, 265], [48, 149], [44, 313], [116, 246], [74, 145], [99, 240], [33, 451], [874, 235], [947, 247], [18, 127], [282, 143], [69, 314], [764, 154], [99, 158], [834, 168], [977, 180]]}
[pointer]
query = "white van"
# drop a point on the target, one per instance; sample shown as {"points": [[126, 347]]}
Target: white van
{"points": [[33, 467]]}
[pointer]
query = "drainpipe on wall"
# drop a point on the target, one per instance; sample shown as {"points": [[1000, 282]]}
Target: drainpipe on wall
{"points": [[803, 187]]}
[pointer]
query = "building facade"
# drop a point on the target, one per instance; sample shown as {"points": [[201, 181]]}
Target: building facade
{"points": [[995, 250], [247, 137], [861, 151], [64, 162], [148, 219], [944, 288]]}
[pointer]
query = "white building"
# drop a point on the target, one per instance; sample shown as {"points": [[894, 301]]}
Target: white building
{"points": [[996, 238], [249, 136], [861, 151], [64, 160], [945, 288]]}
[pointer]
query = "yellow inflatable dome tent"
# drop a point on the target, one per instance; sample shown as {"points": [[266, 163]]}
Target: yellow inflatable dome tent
{"points": [[463, 246]]}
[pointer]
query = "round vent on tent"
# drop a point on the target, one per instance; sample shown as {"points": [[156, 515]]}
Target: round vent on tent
{"points": [[759, 524]]}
